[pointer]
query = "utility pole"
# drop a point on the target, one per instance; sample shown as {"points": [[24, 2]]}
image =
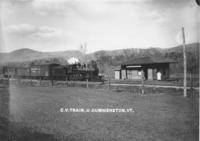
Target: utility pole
{"points": [[2, 41], [184, 64], [83, 48], [142, 81]]}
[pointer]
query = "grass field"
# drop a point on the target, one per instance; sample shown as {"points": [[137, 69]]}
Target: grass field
{"points": [[34, 113]]}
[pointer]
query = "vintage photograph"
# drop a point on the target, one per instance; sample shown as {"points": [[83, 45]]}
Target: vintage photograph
{"points": [[99, 70]]}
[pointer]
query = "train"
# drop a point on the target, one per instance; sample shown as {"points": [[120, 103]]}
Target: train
{"points": [[54, 71]]}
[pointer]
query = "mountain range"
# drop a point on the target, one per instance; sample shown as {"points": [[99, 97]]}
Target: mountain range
{"points": [[26, 54], [107, 60]]}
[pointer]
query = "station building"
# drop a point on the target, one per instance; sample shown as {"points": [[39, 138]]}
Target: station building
{"points": [[154, 68]]}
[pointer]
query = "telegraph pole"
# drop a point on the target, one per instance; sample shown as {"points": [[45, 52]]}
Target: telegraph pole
{"points": [[142, 81], [184, 64], [2, 42]]}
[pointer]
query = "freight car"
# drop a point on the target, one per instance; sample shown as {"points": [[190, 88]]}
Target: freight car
{"points": [[1, 71], [43, 71], [53, 71], [9, 72], [58, 73], [22, 72]]}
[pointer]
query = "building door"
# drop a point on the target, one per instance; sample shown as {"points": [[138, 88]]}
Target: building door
{"points": [[123, 74], [132, 74], [159, 75], [154, 74], [150, 74], [117, 75], [129, 74]]}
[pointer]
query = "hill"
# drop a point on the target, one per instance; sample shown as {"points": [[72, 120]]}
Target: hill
{"points": [[25, 54], [107, 60]]}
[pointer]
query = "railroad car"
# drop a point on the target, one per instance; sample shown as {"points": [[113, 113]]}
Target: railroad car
{"points": [[53, 71], [1, 71], [59, 72], [23, 72], [9, 72], [42, 71]]}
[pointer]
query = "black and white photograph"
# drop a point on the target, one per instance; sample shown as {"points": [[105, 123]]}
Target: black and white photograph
{"points": [[99, 70]]}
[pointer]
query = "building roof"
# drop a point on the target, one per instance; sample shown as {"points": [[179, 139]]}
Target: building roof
{"points": [[43, 64], [117, 68], [149, 60]]}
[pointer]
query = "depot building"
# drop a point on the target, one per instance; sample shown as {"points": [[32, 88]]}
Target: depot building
{"points": [[153, 68]]}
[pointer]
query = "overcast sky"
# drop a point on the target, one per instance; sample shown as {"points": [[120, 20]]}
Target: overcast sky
{"points": [[56, 25]]}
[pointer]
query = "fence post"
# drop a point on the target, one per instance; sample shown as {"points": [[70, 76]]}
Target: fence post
{"points": [[87, 83], [66, 81], [40, 80], [31, 81], [52, 81], [108, 83], [191, 84], [18, 80]]}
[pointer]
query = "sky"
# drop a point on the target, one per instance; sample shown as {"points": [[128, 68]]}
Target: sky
{"points": [[58, 25]]}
